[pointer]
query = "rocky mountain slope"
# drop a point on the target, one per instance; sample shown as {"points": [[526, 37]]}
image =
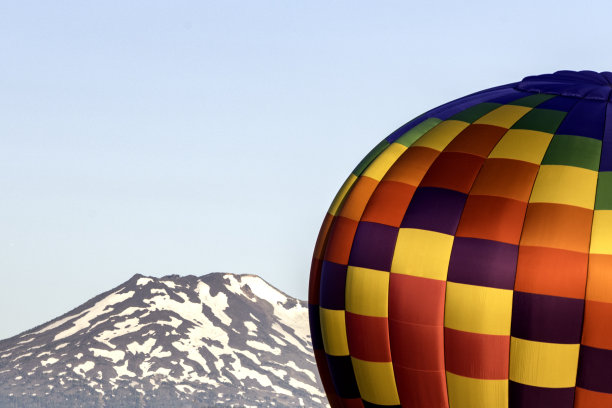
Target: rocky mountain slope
{"points": [[215, 340]]}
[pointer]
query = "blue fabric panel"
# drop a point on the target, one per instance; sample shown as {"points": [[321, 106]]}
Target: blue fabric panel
{"points": [[605, 163], [561, 103], [585, 119]]}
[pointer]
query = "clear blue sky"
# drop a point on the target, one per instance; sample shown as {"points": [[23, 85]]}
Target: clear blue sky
{"points": [[186, 137]]}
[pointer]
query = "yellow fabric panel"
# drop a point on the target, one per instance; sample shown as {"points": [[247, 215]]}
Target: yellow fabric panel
{"points": [[379, 167], [440, 136], [376, 382], [422, 253], [367, 291], [335, 205], [565, 185], [601, 239], [520, 144], [548, 365], [465, 392], [478, 309], [504, 116], [333, 328]]}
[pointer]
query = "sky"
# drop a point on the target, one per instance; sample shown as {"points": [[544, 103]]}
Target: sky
{"points": [[188, 137]]}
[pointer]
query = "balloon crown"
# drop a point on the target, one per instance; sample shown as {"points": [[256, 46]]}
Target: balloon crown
{"points": [[578, 84]]}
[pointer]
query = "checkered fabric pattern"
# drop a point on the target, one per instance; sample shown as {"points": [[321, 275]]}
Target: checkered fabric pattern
{"points": [[466, 262]]}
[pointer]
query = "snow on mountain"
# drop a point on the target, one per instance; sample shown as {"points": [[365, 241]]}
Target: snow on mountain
{"points": [[215, 340]]}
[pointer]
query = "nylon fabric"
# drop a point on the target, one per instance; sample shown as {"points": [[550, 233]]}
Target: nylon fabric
{"points": [[465, 261]]}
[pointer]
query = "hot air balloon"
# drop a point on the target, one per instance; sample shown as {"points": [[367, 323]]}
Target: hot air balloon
{"points": [[466, 262]]}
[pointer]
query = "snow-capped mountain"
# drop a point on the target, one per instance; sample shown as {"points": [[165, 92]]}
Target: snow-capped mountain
{"points": [[215, 340]]}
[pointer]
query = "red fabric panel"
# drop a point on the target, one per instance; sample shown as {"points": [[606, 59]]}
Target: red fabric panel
{"points": [[367, 337], [421, 388], [416, 300], [315, 281], [323, 235], [416, 335], [416, 346], [453, 171], [476, 355], [352, 403]]}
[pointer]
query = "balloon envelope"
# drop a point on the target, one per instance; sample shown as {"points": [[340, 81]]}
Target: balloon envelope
{"points": [[467, 260]]}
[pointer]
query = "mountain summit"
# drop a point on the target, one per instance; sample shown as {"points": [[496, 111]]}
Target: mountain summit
{"points": [[216, 340]]}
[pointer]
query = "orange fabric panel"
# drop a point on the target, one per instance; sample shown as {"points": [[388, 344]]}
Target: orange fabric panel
{"points": [[476, 355], [476, 139], [557, 226], [358, 197], [599, 286], [506, 178], [493, 218], [412, 165], [389, 203], [597, 326], [340, 241], [592, 399], [421, 388], [322, 237], [551, 271]]}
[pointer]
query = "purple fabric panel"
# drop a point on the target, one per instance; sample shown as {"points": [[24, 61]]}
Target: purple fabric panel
{"points": [[447, 110], [585, 119], [333, 283], [343, 376], [315, 327], [560, 103], [510, 97], [482, 262], [526, 396], [373, 246], [582, 84], [605, 163], [435, 209], [595, 369], [602, 93], [546, 318]]}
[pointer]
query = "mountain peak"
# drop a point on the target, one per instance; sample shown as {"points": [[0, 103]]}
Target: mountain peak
{"points": [[216, 339]]}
